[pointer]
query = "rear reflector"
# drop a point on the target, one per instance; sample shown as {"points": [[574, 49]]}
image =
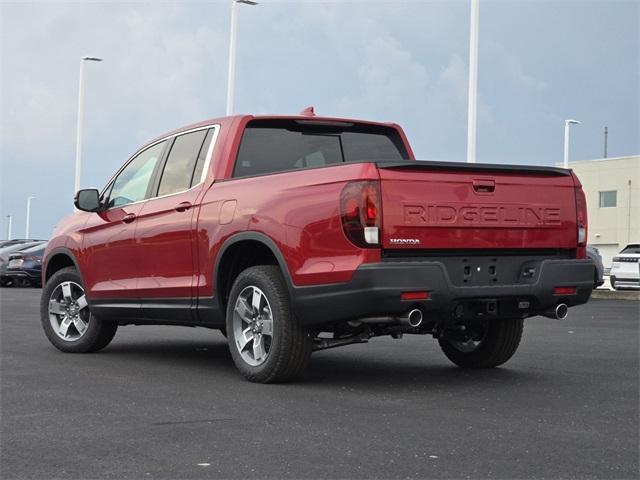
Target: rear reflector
{"points": [[414, 296], [564, 291]]}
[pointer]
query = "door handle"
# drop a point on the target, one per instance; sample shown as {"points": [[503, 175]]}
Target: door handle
{"points": [[129, 217], [484, 186], [183, 207]]}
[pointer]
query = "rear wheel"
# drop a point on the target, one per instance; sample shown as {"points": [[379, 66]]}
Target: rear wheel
{"points": [[266, 342], [66, 318], [485, 345]]}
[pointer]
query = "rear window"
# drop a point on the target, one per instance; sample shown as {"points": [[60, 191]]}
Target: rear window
{"points": [[270, 146], [631, 249]]}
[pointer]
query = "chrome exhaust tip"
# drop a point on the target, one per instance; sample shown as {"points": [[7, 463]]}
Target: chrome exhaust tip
{"points": [[559, 313], [414, 317], [562, 311]]}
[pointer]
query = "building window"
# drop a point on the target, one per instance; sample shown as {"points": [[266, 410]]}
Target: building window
{"points": [[608, 198]]}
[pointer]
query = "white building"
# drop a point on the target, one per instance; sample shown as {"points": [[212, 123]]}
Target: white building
{"points": [[612, 188]]}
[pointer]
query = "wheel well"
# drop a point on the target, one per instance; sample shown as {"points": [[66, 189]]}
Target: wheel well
{"points": [[58, 262], [238, 257]]}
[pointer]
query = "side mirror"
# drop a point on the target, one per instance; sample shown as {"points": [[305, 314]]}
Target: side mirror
{"points": [[87, 200]]}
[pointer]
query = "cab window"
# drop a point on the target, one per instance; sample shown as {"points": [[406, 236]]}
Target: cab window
{"points": [[132, 182], [270, 146]]}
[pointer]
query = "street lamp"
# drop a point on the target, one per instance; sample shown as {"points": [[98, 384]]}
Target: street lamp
{"points": [[26, 230], [567, 123], [473, 81], [80, 118], [232, 53], [9, 222]]}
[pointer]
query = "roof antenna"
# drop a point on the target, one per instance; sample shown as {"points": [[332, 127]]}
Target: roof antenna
{"points": [[308, 112]]}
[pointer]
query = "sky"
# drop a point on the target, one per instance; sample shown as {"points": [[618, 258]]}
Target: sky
{"points": [[405, 61]]}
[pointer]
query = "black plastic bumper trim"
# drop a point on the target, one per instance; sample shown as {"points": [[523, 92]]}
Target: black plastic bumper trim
{"points": [[375, 290]]}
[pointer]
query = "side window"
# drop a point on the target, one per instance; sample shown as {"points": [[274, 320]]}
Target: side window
{"points": [[202, 159], [132, 182], [181, 162]]}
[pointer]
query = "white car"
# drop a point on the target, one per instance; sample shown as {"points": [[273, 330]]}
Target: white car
{"points": [[625, 269]]}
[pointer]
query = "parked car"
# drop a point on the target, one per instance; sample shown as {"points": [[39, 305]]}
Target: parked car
{"points": [[6, 251], [297, 234], [594, 254], [16, 241], [625, 268], [24, 267]]}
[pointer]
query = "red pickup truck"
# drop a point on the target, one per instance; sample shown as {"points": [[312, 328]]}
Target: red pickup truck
{"points": [[292, 234]]}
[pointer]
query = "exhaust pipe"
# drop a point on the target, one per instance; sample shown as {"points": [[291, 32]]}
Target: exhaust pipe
{"points": [[414, 318], [562, 311], [559, 313]]}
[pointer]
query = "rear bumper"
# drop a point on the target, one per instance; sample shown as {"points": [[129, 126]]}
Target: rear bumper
{"points": [[26, 274], [627, 271], [375, 289]]}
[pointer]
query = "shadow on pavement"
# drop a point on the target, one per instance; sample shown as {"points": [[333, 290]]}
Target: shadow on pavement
{"points": [[350, 369]]}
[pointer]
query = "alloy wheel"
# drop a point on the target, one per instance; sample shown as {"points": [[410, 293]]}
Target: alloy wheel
{"points": [[68, 311], [253, 325]]}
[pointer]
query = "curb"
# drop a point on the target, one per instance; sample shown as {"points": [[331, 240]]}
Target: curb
{"points": [[616, 295]]}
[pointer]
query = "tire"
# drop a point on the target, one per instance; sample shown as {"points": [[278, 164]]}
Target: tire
{"points": [[84, 332], [500, 342], [612, 280], [285, 353]]}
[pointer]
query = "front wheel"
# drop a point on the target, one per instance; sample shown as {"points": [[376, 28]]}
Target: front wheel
{"points": [[485, 345], [266, 341], [66, 319]]}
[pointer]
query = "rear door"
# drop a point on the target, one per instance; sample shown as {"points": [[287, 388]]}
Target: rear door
{"points": [[427, 206], [165, 230]]}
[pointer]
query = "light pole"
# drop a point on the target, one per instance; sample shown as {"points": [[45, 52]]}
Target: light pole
{"points": [[567, 124], [9, 222], [231, 80], [473, 81], [80, 119], [26, 229]]}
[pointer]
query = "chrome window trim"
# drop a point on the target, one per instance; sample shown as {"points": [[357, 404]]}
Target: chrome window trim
{"points": [[205, 168]]}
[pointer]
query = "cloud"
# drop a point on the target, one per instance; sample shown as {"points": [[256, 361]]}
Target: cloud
{"points": [[404, 61]]}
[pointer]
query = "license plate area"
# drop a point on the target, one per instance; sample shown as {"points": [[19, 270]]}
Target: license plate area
{"points": [[479, 271], [15, 263], [474, 271]]}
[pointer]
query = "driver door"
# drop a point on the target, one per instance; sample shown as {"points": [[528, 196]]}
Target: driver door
{"points": [[109, 242]]}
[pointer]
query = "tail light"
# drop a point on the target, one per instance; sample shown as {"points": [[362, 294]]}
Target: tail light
{"points": [[360, 213], [564, 290], [581, 223]]}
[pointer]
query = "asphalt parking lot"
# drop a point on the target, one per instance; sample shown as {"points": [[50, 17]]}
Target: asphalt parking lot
{"points": [[167, 402]]}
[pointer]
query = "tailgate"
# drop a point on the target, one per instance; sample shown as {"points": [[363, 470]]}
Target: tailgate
{"points": [[437, 205]]}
